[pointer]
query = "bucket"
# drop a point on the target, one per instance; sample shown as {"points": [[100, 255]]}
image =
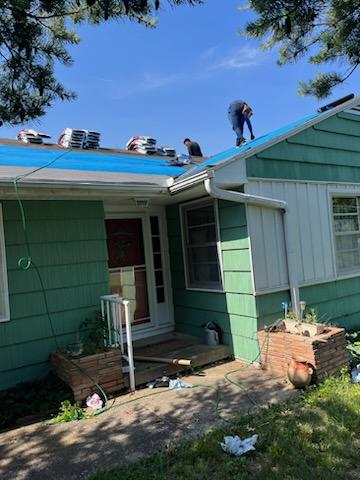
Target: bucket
{"points": [[211, 335]]}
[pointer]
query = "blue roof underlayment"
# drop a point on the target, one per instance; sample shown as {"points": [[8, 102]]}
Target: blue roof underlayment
{"points": [[223, 156], [119, 163], [96, 162]]}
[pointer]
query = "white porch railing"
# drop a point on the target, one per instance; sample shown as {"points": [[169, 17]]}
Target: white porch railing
{"points": [[111, 312]]}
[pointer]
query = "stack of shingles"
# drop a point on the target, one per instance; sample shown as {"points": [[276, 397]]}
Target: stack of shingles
{"points": [[142, 144], [72, 138], [79, 138], [28, 135], [147, 145], [167, 151], [92, 139]]}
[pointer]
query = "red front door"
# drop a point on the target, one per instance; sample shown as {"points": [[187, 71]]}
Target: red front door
{"points": [[127, 265]]}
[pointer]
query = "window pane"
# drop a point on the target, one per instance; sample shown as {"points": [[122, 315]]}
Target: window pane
{"points": [[156, 244], [159, 280], [346, 223], [157, 261], [203, 254], [348, 242], [345, 205], [201, 247], [160, 295], [348, 260], [206, 275], [154, 222], [199, 235], [201, 215]]}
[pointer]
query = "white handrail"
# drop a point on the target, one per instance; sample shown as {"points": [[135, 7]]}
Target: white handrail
{"points": [[111, 313]]}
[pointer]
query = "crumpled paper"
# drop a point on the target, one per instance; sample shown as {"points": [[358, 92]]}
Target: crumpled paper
{"points": [[178, 383], [233, 445], [94, 402]]}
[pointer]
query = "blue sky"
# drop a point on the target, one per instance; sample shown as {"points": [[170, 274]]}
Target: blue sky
{"points": [[177, 81]]}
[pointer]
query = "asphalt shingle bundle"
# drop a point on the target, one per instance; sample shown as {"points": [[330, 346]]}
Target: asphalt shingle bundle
{"points": [[79, 138], [148, 145], [142, 144], [28, 135]]}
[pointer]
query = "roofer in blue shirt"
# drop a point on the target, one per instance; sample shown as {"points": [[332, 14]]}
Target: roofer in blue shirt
{"points": [[239, 113]]}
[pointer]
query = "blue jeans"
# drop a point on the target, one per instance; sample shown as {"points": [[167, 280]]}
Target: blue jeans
{"points": [[237, 122]]}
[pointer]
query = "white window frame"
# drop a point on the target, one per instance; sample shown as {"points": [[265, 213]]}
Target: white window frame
{"points": [[3, 271], [350, 272], [193, 205]]}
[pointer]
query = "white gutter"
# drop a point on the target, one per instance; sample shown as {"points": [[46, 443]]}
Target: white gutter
{"points": [[188, 182], [264, 202]]}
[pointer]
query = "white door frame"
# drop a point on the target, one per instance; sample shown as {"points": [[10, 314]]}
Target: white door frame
{"points": [[156, 325]]}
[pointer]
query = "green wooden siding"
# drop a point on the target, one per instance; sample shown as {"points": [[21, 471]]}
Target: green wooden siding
{"points": [[68, 244], [337, 302], [328, 151], [234, 310]]}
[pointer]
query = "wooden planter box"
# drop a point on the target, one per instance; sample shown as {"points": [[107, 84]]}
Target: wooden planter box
{"points": [[105, 368], [326, 352]]}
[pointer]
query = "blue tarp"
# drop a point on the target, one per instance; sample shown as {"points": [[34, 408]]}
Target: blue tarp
{"points": [[13, 156], [216, 159], [122, 163]]}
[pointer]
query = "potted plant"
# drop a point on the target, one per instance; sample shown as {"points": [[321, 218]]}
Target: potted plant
{"points": [[307, 324], [90, 361]]}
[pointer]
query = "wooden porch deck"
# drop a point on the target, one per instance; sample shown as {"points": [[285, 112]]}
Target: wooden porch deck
{"points": [[173, 345]]}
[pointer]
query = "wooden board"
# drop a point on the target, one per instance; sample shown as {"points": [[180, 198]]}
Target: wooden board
{"points": [[174, 346]]}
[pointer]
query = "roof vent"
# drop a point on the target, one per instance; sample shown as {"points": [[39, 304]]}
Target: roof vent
{"points": [[336, 103], [79, 138], [141, 202]]}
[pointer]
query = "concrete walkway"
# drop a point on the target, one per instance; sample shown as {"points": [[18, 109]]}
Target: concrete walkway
{"points": [[128, 432]]}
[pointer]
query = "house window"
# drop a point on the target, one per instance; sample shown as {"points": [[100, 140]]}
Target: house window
{"points": [[346, 215], [200, 240], [158, 264], [4, 294]]}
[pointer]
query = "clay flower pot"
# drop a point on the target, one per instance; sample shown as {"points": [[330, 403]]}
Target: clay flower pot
{"points": [[300, 373]]}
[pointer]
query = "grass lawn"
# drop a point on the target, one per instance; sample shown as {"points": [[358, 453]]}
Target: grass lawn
{"points": [[316, 436]]}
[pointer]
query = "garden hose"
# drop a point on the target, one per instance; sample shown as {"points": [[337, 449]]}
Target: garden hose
{"points": [[26, 262]]}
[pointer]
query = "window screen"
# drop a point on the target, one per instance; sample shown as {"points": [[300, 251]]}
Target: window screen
{"points": [[347, 233], [200, 243]]}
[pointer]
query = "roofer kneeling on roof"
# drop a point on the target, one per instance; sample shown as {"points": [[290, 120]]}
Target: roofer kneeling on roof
{"points": [[193, 148], [239, 112]]}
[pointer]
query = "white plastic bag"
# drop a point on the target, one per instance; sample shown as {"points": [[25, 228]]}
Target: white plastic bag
{"points": [[235, 446]]}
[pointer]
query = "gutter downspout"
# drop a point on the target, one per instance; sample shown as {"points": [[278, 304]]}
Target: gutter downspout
{"points": [[265, 202]]}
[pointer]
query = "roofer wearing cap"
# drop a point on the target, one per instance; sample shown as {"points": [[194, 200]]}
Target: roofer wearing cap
{"points": [[193, 148], [239, 113]]}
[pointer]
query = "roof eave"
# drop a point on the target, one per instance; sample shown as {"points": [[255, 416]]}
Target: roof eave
{"points": [[75, 185], [180, 184]]}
